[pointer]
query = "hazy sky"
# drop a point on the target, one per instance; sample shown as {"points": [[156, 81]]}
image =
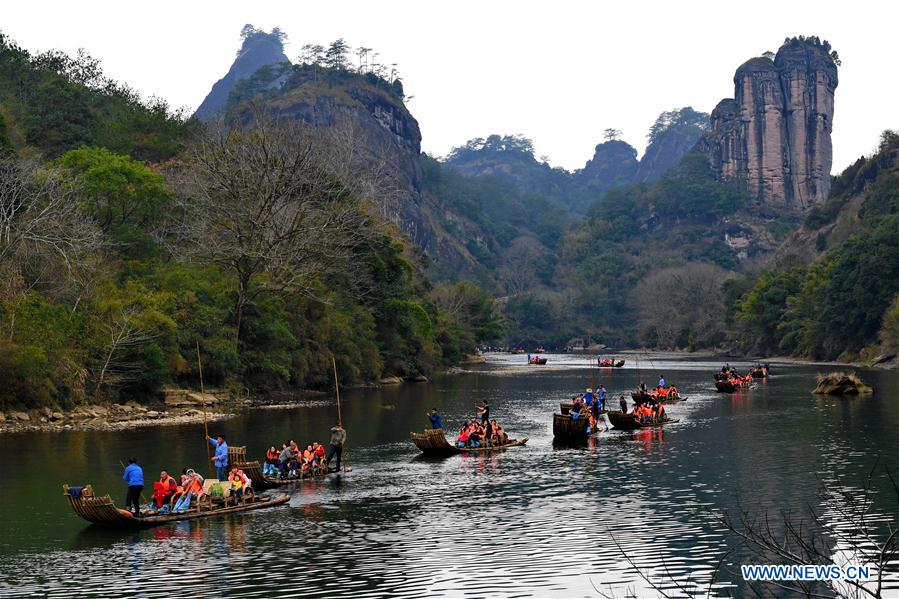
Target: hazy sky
{"points": [[558, 72]]}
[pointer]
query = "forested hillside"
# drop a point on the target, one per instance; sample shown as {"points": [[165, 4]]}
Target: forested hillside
{"points": [[834, 293], [132, 233]]}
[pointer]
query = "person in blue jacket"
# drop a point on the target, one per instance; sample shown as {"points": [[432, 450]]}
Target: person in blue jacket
{"points": [[600, 399], [134, 478], [435, 418], [662, 381], [220, 461]]}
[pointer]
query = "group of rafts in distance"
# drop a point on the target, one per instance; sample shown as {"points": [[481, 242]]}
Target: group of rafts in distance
{"points": [[728, 380], [577, 419], [583, 415]]}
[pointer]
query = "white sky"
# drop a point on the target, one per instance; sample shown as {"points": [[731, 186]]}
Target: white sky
{"points": [[558, 72]]}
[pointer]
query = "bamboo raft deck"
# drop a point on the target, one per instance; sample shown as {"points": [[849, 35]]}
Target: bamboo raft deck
{"points": [[102, 509], [434, 442], [629, 422]]}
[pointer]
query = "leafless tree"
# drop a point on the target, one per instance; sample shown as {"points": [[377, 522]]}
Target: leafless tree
{"points": [[846, 530], [261, 201], [518, 274], [681, 301], [115, 366], [40, 214], [370, 168]]}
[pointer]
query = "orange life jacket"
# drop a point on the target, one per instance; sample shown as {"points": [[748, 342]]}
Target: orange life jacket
{"points": [[195, 486]]}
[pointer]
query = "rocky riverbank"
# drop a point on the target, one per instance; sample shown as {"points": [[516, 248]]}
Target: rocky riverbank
{"points": [[112, 417], [174, 406]]}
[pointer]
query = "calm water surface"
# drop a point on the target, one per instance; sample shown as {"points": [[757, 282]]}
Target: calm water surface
{"points": [[533, 521]]}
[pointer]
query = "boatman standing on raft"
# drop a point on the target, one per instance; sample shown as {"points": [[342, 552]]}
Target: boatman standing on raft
{"points": [[220, 461], [338, 438], [134, 478], [435, 418], [484, 412]]}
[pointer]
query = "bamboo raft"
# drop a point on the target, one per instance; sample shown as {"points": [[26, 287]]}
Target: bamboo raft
{"points": [[538, 361], [730, 387], [434, 442], [253, 470], [567, 428], [102, 509], [629, 422], [610, 363], [639, 397]]}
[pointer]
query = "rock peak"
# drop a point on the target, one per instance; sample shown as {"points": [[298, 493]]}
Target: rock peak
{"points": [[258, 49], [775, 133]]}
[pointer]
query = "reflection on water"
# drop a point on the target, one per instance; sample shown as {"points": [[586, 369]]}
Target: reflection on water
{"points": [[539, 520]]}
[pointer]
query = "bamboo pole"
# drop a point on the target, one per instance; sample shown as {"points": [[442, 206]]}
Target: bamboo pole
{"points": [[203, 403], [339, 418], [337, 391]]}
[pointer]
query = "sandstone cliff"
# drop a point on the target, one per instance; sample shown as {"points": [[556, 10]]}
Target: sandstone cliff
{"points": [[382, 127], [774, 135]]}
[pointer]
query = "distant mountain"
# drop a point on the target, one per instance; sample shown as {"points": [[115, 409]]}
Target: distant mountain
{"points": [[614, 162], [258, 49], [511, 159]]}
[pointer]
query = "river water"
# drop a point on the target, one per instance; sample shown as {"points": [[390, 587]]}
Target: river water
{"points": [[532, 521]]}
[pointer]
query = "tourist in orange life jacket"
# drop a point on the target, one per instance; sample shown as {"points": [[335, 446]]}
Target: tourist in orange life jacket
{"points": [[164, 489], [271, 461], [308, 458], [192, 489], [462, 439], [500, 436], [319, 450], [239, 482], [182, 486], [475, 435]]}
